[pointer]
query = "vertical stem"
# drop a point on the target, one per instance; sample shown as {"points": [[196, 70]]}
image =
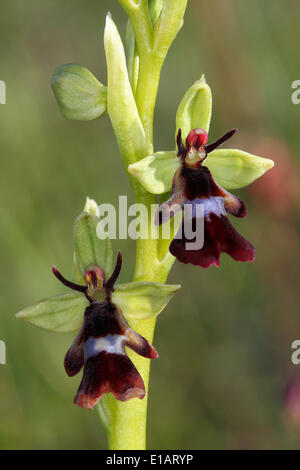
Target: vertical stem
{"points": [[149, 72], [129, 419], [126, 422]]}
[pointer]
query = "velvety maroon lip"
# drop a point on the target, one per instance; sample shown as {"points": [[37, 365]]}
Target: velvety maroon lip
{"points": [[193, 186], [100, 345]]}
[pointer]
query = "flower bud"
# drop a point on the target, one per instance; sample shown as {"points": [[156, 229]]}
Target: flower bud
{"points": [[91, 207], [80, 96], [155, 8]]}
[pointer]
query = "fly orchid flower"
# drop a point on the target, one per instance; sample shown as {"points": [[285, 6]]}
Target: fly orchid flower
{"points": [[199, 181], [99, 346], [194, 185], [96, 310]]}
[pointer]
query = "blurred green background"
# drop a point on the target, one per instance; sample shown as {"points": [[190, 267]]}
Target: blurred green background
{"points": [[225, 342]]}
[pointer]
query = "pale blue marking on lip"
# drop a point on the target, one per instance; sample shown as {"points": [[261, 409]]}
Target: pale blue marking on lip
{"points": [[112, 344], [212, 204]]}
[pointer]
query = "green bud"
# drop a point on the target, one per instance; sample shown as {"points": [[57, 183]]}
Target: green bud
{"points": [[168, 25], [60, 313], [80, 96], [156, 172], [91, 207], [155, 8], [121, 104], [195, 108], [141, 300], [234, 169], [89, 248], [132, 56]]}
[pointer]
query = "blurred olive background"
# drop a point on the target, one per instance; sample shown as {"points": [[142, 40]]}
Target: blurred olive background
{"points": [[225, 341]]}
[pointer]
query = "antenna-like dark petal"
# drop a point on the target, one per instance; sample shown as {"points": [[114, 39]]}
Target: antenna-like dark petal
{"points": [[67, 283], [181, 147], [210, 147], [109, 285]]}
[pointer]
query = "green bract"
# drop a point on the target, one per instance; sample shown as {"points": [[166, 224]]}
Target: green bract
{"points": [[121, 104], [195, 108], [79, 94]]}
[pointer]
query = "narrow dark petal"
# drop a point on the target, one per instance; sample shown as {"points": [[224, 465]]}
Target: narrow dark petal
{"points": [[106, 373], [210, 147], [140, 345], [180, 145], [113, 278], [67, 283]]}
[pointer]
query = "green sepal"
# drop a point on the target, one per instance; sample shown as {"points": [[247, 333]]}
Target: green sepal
{"points": [[60, 313], [141, 300], [234, 169], [64, 313], [195, 108], [80, 96], [89, 248], [156, 172]]}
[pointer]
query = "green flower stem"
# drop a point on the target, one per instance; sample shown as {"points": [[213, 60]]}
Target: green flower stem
{"points": [[127, 425], [139, 15], [146, 91], [126, 422]]}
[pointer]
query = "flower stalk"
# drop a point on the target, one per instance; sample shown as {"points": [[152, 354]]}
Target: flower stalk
{"points": [[126, 422]]}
